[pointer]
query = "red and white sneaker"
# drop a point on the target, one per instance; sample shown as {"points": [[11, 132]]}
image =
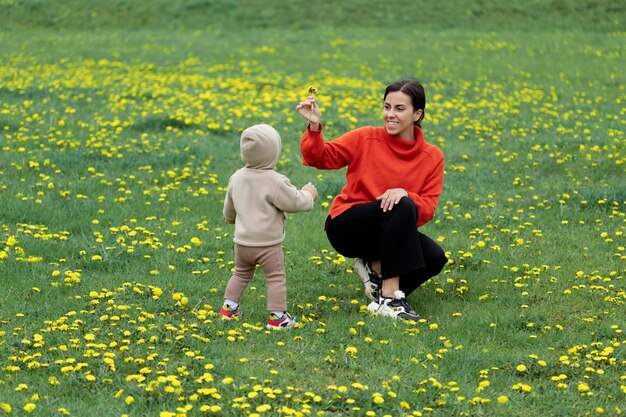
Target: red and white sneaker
{"points": [[229, 313], [286, 321]]}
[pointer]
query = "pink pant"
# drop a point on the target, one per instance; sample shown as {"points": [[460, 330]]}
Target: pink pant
{"points": [[271, 261]]}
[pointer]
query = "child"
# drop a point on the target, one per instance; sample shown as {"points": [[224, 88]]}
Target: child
{"points": [[256, 202]]}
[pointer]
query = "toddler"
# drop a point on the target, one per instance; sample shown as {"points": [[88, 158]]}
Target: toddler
{"points": [[257, 200]]}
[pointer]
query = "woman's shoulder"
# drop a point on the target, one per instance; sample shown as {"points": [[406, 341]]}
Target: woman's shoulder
{"points": [[433, 150]]}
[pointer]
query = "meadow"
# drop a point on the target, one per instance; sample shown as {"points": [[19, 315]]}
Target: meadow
{"points": [[116, 148]]}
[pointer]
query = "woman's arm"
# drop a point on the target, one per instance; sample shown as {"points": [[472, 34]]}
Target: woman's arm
{"points": [[428, 197], [310, 111]]}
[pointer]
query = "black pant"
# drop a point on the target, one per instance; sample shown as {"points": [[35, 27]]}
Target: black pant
{"points": [[365, 231]]}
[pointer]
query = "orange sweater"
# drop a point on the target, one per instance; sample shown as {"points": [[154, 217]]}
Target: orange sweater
{"points": [[377, 162]]}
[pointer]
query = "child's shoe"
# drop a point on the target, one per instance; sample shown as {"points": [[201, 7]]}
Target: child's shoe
{"points": [[230, 313], [286, 321]]}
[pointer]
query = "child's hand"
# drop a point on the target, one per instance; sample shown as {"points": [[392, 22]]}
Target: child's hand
{"points": [[311, 189]]}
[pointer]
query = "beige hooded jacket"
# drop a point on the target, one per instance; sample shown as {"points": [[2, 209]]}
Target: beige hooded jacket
{"points": [[258, 197]]}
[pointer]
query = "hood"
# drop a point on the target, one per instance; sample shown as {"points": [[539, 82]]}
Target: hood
{"points": [[260, 147]]}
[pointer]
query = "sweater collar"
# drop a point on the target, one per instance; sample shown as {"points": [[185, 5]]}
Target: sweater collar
{"points": [[403, 148]]}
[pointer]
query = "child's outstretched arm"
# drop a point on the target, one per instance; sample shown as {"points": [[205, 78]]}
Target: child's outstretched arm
{"points": [[291, 200]]}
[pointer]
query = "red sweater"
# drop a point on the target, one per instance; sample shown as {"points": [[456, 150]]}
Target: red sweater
{"points": [[377, 162]]}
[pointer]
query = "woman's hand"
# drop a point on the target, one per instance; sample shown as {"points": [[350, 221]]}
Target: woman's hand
{"points": [[391, 197], [310, 111]]}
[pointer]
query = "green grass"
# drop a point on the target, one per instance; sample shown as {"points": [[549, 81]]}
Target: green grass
{"points": [[115, 152], [592, 15]]}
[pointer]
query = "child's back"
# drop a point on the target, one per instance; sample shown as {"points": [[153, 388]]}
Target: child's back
{"points": [[256, 202]]}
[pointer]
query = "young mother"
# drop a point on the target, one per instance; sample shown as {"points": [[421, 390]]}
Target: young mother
{"points": [[393, 182]]}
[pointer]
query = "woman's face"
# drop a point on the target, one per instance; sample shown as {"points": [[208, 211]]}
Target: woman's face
{"points": [[399, 115]]}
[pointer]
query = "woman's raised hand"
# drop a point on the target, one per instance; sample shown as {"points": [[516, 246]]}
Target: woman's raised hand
{"points": [[310, 111]]}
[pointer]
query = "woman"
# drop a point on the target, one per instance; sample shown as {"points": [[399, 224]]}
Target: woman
{"points": [[393, 182]]}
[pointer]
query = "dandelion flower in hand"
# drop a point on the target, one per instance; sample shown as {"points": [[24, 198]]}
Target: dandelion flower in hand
{"points": [[313, 92]]}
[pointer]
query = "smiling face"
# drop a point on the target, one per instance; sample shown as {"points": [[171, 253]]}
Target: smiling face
{"points": [[399, 115]]}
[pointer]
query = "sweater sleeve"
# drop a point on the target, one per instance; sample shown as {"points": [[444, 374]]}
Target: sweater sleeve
{"points": [[327, 155], [289, 199], [427, 198]]}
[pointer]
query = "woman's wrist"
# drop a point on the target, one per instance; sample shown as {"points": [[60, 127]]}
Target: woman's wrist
{"points": [[314, 126]]}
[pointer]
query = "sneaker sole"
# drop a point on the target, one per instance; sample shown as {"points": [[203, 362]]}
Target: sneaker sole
{"points": [[231, 317], [385, 311], [279, 328], [361, 271]]}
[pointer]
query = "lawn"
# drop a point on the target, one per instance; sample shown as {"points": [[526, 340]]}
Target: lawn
{"points": [[116, 148]]}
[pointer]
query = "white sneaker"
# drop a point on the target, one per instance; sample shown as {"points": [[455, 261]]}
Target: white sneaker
{"points": [[396, 307], [370, 279]]}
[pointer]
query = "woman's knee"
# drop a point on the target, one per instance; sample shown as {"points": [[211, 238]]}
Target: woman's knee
{"points": [[407, 204], [438, 261], [405, 208], [434, 255]]}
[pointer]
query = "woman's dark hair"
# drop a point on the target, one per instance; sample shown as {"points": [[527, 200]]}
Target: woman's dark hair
{"points": [[413, 89]]}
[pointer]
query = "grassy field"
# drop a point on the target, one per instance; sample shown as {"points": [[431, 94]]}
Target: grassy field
{"points": [[484, 15], [117, 144]]}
